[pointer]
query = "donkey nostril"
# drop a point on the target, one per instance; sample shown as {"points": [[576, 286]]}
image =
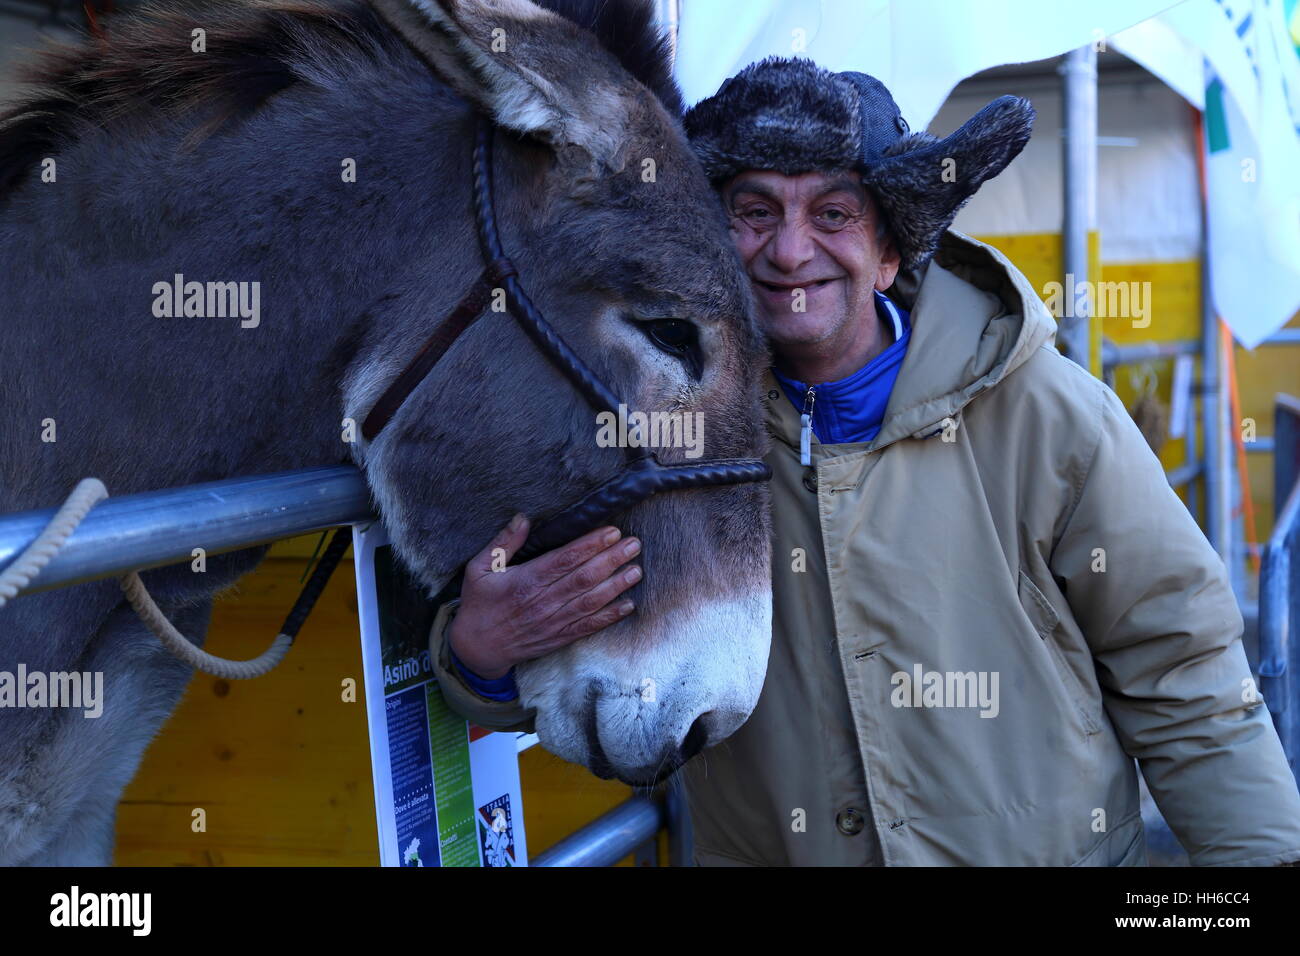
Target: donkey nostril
{"points": [[696, 738]]}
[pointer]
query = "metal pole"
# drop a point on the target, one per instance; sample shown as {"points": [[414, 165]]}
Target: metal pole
{"points": [[669, 14], [1113, 355], [1279, 585], [609, 838], [1079, 104], [1216, 514], [1211, 439], [163, 527], [1225, 464]]}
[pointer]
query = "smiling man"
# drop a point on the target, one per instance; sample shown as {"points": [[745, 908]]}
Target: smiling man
{"points": [[818, 254], [989, 608]]}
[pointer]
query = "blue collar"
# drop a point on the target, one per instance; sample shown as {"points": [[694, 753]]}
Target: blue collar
{"points": [[853, 408]]}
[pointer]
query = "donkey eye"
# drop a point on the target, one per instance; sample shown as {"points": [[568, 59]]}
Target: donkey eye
{"points": [[678, 338], [673, 336]]}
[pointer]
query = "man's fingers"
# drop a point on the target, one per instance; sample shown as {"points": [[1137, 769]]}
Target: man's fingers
{"points": [[550, 567], [610, 614], [596, 570], [594, 599], [501, 548]]}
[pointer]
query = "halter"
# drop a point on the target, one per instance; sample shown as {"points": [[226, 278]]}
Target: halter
{"points": [[642, 474]]}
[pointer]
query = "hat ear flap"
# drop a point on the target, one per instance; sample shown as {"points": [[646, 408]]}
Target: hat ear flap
{"points": [[922, 182]]}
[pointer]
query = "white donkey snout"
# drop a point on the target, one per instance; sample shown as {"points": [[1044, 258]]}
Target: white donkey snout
{"points": [[638, 704]]}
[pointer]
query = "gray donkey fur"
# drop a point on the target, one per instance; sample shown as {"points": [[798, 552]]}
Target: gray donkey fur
{"points": [[228, 169]]}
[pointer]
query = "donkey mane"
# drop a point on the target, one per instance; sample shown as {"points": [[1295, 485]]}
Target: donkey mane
{"points": [[255, 49]]}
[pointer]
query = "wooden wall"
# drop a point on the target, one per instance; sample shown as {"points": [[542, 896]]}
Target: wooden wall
{"points": [[281, 765]]}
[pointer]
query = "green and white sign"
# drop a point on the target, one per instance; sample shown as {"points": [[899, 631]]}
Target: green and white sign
{"points": [[446, 792]]}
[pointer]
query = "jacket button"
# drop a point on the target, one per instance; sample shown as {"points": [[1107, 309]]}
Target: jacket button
{"points": [[810, 480], [850, 821]]}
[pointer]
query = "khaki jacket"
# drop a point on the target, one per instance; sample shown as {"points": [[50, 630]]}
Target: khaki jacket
{"points": [[980, 620]]}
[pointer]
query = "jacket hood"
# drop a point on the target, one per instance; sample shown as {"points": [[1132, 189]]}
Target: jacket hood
{"points": [[975, 319]]}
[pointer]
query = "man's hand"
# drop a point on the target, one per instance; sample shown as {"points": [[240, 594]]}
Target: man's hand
{"points": [[513, 615]]}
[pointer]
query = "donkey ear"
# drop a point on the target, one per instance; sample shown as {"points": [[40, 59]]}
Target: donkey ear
{"points": [[527, 68]]}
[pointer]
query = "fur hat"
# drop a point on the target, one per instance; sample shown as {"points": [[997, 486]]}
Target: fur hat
{"points": [[792, 116]]}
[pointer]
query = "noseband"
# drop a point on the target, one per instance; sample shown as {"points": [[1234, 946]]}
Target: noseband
{"points": [[642, 474]]}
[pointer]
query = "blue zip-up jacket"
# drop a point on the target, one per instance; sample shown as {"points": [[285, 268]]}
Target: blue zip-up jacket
{"points": [[852, 409]]}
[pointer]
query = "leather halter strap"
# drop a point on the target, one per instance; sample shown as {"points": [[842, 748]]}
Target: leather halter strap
{"points": [[469, 308], [500, 273]]}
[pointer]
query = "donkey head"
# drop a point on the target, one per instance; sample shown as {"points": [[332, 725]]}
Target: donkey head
{"points": [[621, 244]]}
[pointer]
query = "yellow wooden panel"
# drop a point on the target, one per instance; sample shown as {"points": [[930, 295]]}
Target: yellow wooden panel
{"points": [[1175, 301], [1039, 257], [1172, 292], [1036, 254], [281, 764], [1175, 290], [561, 797], [302, 547], [1095, 268]]}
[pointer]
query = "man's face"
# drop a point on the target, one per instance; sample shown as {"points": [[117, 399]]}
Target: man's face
{"points": [[811, 246]]}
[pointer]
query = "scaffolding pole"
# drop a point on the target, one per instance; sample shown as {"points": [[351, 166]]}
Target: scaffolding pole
{"points": [[1079, 210]]}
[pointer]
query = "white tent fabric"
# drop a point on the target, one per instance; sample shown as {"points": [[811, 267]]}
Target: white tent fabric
{"points": [[1162, 50], [1250, 89], [920, 49]]}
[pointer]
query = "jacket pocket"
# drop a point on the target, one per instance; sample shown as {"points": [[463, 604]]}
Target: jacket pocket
{"points": [[1126, 845], [1046, 622]]}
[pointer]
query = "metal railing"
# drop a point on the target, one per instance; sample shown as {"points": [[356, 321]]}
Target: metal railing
{"points": [[156, 528], [163, 527], [1279, 585], [630, 828]]}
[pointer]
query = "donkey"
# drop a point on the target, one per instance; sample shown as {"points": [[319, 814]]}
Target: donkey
{"points": [[322, 148]]}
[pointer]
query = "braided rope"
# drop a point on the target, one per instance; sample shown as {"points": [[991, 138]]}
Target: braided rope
{"points": [[88, 493], [182, 647], [548, 341], [641, 480]]}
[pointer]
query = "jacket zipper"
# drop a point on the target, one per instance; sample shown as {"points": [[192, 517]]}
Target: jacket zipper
{"points": [[805, 427]]}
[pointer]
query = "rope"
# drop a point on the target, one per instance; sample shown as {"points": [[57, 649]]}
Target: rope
{"points": [[188, 651], [88, 493], [19, 574]]}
